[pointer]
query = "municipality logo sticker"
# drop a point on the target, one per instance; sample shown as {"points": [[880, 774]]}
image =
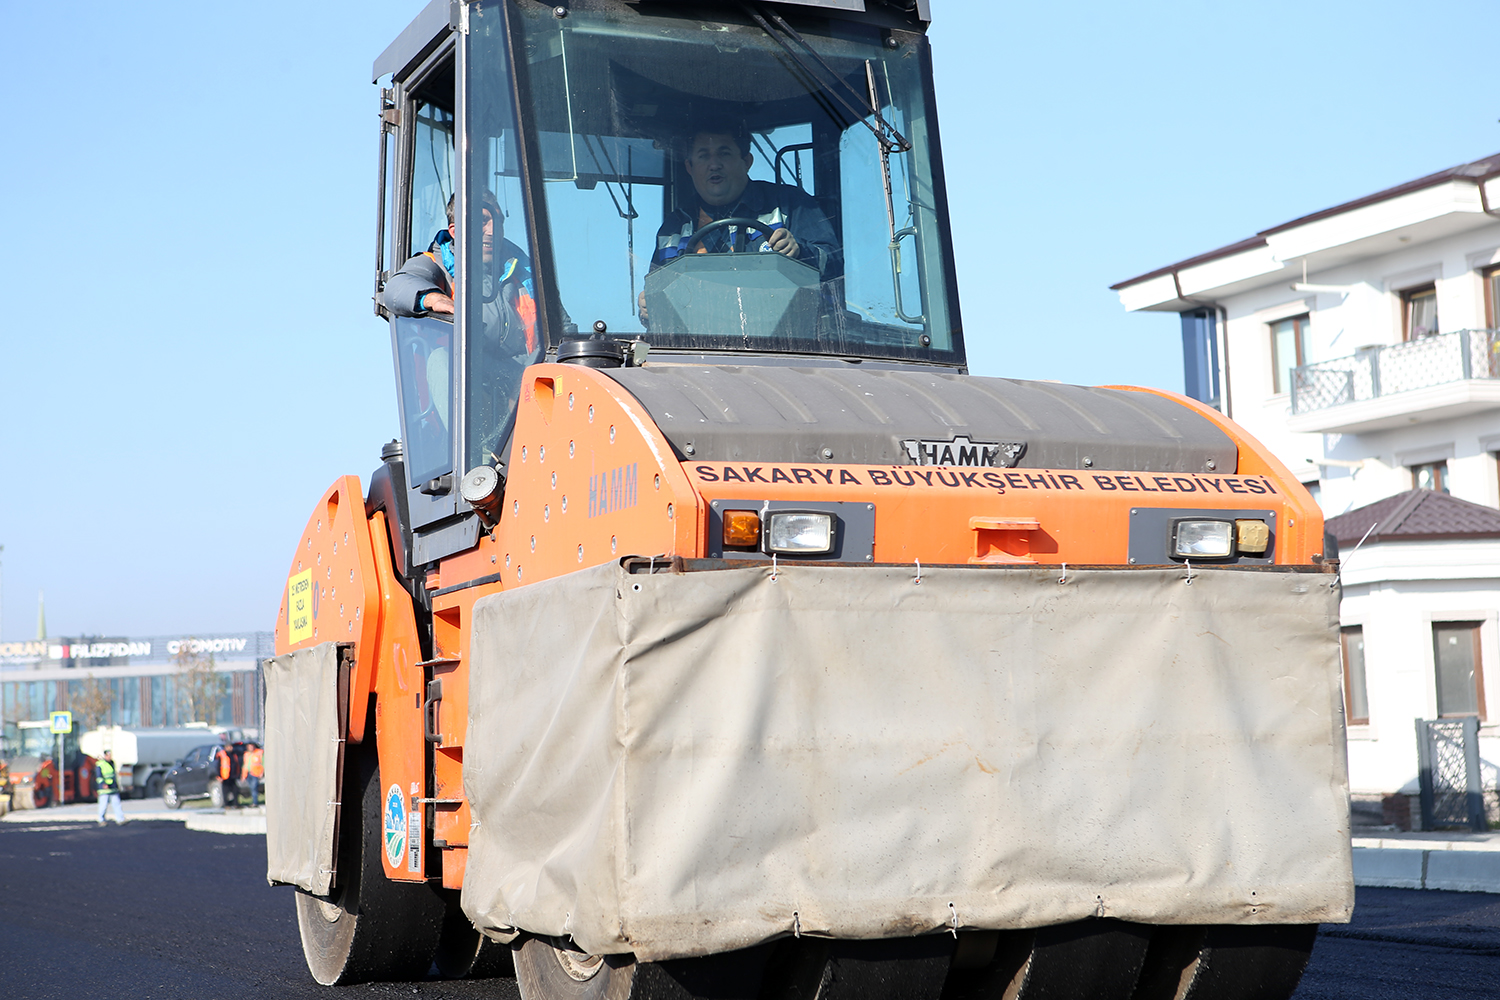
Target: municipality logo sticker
{"points": [[395, 826]]}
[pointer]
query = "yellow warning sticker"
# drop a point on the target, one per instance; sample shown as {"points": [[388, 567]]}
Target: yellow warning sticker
{"points": [[299, 607]]}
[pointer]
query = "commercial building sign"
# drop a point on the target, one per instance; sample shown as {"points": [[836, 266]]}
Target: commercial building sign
{"points": [[95, 651], [98, 649]]}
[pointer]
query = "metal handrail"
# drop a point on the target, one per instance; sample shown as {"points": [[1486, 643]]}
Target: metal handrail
{"points": [[1372, 372]]}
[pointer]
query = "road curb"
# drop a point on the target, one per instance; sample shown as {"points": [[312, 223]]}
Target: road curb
{"points": [[227, 824], [1455, 863], [239, 821]]}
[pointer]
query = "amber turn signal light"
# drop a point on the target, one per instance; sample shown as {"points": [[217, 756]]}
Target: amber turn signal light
{"points": [[742, 529], [1252, 537]]}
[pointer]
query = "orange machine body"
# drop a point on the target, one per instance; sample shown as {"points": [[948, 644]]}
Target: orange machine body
{"points": [[592, 479]]}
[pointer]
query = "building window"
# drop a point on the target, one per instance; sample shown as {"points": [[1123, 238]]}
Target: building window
{"points": [[1419, 316], [1287, 340], [1356, 700], [1430, 476], [1492, 297], [1455, 655]]}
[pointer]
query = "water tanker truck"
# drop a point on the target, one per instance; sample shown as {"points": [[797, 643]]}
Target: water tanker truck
{"points": [[711, 631]]}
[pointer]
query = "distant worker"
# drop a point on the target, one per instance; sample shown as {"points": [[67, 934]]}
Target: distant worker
{"points": [[227, 786], [254, 768], [107, 786]]}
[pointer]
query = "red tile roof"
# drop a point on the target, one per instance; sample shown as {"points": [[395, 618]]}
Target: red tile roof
{"points": [[1415, 516]]}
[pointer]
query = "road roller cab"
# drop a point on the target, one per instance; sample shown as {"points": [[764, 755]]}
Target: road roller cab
{"points": [[711, 631]]}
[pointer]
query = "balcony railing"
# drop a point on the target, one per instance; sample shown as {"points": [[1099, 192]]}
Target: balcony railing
{"points": [[1383, 371]]}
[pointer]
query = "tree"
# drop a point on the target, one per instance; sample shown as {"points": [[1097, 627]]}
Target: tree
{"points": [[199, 686], [95, 700]]}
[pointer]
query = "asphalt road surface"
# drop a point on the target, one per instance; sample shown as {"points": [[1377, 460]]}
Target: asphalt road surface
{"points": [[154, 910]]}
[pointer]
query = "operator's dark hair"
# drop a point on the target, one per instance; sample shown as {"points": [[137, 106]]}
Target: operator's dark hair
{"points": [[736, 130], [486, 198]]}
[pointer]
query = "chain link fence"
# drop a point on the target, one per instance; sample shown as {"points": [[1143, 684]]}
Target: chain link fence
{"points": [[1382, 371]]}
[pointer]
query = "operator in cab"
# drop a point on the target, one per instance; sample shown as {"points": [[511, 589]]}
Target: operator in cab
{"points": [[718, 161], [424, 285]]}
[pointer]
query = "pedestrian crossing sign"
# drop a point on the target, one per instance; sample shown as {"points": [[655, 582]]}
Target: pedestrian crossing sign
{"points": [[62, 722]]}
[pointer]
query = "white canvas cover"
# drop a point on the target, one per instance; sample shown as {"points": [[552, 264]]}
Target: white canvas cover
{"points": [[677, 764], [302, 760]]}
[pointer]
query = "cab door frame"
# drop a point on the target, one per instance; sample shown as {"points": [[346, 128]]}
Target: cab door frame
{"points": [[438, 526]]}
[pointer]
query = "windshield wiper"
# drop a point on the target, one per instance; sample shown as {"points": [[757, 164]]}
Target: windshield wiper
{"points": [[862, 109], [886, 134]]}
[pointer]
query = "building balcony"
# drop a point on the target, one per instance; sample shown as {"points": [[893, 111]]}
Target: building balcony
{"points": [[1434, 378]]}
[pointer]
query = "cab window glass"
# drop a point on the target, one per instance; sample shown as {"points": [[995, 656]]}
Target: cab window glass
{"points": [[503, 330], [782, 234], [424, 389], [431, 175]]}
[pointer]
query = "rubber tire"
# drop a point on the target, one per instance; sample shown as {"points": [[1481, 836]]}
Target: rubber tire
{"points": [[216, 795], [1244, 962], [153, 786], [370, 928], [1263, 962], [540, 974], [169, 796], [463, 952]]}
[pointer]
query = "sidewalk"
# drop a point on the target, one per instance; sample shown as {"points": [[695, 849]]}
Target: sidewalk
{"points": [[1462, 862], [197, 815]]}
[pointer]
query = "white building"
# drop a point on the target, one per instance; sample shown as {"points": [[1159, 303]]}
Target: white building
{"points": [[1359, 343]]}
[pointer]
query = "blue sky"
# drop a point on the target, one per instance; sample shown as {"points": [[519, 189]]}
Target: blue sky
{"points": [[190, 357]]}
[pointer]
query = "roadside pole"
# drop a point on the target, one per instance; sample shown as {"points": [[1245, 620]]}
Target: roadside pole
{"points": [[62, 724]]}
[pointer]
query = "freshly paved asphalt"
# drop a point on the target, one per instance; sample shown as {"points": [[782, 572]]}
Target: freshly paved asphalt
{"points": [[151, 909], [155, 910], [1409, 944]]}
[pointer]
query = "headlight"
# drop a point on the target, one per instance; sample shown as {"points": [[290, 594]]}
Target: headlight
{"points": [[1203, 540], [798, 533]]}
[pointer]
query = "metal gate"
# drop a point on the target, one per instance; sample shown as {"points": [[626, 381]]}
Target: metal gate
{"points": [[1448, 770]]}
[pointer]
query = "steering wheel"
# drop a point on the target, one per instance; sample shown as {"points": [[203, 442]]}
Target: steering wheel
{"points": [[746, 226]]}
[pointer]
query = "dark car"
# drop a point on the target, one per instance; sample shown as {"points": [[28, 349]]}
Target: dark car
{"points": [[191, 777], [196, 776]]}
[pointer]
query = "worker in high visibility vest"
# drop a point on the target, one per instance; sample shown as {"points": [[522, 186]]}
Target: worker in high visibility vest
{"points": [[107, 786], [227, 776], [255, 768]]}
